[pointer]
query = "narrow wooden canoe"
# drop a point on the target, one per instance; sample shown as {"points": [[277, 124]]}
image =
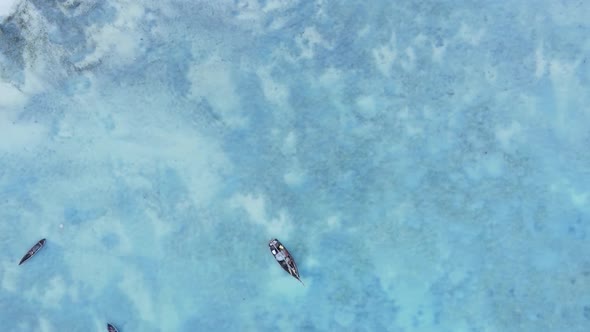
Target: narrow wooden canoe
{"points": [[284, 258], [32, 251]]}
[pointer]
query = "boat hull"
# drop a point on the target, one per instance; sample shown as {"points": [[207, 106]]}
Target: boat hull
{"points": [[32, 251], [284, 258]]}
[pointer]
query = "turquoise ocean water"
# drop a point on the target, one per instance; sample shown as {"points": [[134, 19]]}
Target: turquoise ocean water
{"points": [[427, 163]]}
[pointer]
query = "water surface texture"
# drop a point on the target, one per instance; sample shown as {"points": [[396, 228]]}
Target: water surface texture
{"points": [[427, 163]]}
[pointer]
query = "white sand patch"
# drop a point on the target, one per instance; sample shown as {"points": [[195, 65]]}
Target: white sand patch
{"points": [[333, 222], [401, 211], [409, 60], [420, 40], [11, 97], [249, 10], [308, 40], [366, 106], [133, 285], [35, 82], [491, 73], [462, 326], [403, 114], [54, 292], [274, 92], [546, 259], [160, 227], [331, 77], [7, 7], [565, 84], [170, 316], [413, 130], [18, 136], [540, 62], [506, 135], [311, 262], [385, 55], [76, 7], [457, 275], [280, 225], [438, 52], [74, 292], [118, 40], [290, 144], [213, 81], [254, 205], [494, 164], [344, 316], [568, 13], [285, 286], [45, 325], [413, 295], [278, 23], [91, 258], [571, 101], [579, 199], [562, 70], [364, 31], [113, 41], [294, 176], [529, 105], [199, 161], [365, 102], [42, 58], [65, 130], [281, 5], [10, 276], [470, 35], [91, 270]]}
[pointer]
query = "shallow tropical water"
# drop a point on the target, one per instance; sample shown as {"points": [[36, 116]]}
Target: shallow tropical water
{"points": [[427, 164]]}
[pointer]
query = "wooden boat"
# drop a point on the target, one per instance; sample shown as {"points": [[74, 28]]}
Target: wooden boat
{"points": [[112, 328], [32, 251], [284, 258]]}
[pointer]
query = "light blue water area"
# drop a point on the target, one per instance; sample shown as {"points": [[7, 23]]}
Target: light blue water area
{"points": [[427, 164]]}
